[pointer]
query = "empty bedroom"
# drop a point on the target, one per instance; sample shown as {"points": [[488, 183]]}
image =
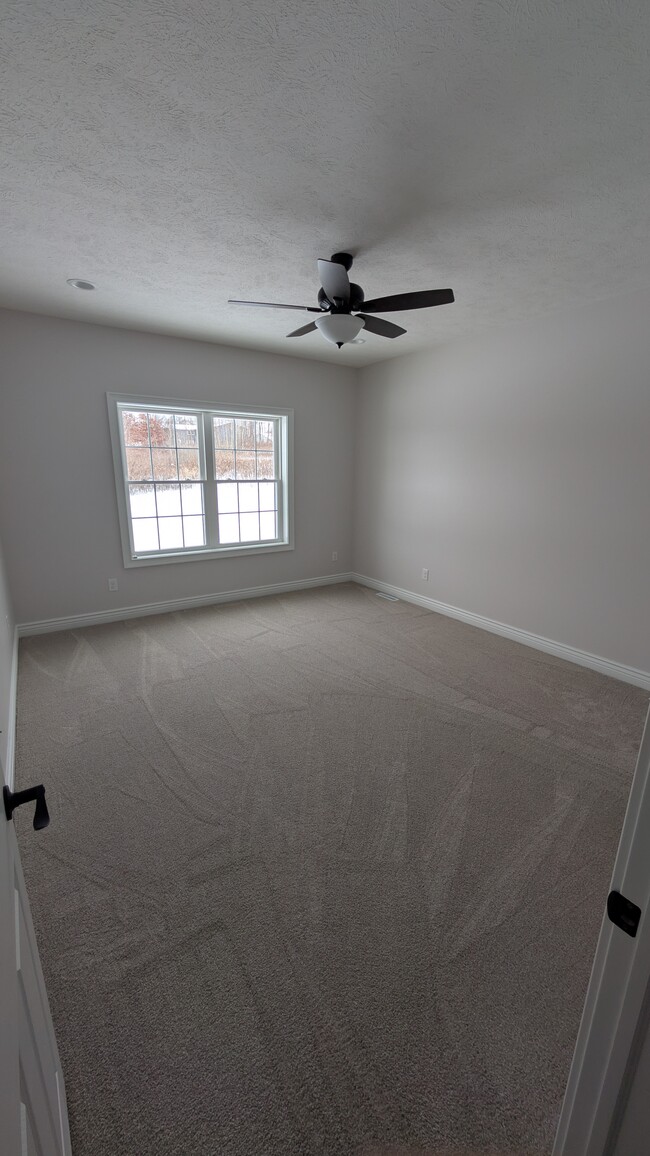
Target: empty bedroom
{"points": [[324, 630]]}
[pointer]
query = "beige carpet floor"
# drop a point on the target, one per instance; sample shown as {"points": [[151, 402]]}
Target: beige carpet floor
{"points": [[324, 875]]}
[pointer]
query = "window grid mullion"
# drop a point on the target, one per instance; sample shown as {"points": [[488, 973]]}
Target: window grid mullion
{"points": [[210, 512], [155, 498], [155, 488], [178, 478], [278, 430], [126, 477]]}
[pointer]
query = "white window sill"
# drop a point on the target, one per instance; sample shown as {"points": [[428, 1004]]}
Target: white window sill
{"points": [[206, 554]]}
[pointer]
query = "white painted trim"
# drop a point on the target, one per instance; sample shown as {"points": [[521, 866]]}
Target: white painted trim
{"points": [[549, 646], [595, 1094], [9, 771], [284, 458], [78, 621]]}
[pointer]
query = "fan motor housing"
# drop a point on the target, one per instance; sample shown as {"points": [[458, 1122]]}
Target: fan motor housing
{"points": [[356, 296], [356, 300]]}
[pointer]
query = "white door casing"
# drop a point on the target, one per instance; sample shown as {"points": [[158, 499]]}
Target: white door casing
{"points": [[33, 1113], [591, 1112]]}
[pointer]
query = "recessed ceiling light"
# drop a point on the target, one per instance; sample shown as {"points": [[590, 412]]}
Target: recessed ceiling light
{"points": [[77, 284]]}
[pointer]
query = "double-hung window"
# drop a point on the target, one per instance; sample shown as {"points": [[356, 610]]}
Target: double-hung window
{"points": [[196, 481]]}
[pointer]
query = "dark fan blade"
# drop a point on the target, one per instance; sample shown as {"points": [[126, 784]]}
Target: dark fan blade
{"points": [[424, 300], [335, 282], [303, 329], [378, 325], [272, 305]]}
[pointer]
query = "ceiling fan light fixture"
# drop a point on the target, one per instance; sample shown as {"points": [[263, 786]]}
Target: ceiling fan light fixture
{"points": [[339, 328], [342, 311]]}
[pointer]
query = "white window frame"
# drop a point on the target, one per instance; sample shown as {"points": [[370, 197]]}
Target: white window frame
{"points": [[205, 412]]}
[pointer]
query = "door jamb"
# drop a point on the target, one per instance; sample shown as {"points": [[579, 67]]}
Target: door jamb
{"points": [[616, 993]]}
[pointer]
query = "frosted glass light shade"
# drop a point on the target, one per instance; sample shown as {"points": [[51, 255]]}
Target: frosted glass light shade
{"points": [[339, 327]]}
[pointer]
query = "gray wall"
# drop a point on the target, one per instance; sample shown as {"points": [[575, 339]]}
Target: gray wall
{"points": [[58, 511], [516, 467], [6, 659]]}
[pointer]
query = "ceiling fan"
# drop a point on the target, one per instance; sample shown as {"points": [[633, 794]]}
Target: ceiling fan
{"points": [[340, 303]]}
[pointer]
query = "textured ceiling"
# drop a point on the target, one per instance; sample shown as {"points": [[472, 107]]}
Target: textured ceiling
{"points": [[179, 152]]}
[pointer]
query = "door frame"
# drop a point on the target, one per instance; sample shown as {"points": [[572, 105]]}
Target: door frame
{"points": [[25, 965], [605, 1049], [7, 749]]}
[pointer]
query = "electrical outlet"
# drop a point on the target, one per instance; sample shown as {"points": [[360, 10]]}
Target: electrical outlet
{"points": [[335, 556], [425, 574], [112, 583]]}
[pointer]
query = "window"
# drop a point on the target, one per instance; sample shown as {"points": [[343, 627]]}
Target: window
{"points": [[195, 482]]}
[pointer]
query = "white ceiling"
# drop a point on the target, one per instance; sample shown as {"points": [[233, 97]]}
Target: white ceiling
{"points": [[178, 153]]}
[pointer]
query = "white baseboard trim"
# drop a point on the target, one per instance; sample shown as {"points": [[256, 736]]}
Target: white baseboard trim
{"points": [[78, 621], [558, 649], [549, 646]]}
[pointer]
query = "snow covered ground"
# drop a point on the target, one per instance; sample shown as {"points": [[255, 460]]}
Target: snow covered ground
{"points": [[170, 517]]}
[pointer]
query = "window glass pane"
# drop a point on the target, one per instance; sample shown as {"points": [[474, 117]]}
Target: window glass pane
{"points": [[165, 475], [250, 527], [224, 463], [143, 503], [169, 500], [194, 530], [145, 534], [245, 433], [161, 429], [224, 433], [138, 465], [171, 533], [136, 430], [227, 497], [187, 430], [264, 431], [248, 498], [192, 498], [228, 528], [245, 464], [164, 465], [188, 464], [268, 526], [267, 496], [265, 466]]}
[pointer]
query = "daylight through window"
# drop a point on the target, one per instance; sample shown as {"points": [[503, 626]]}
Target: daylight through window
{"points": [[202, 481]]}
